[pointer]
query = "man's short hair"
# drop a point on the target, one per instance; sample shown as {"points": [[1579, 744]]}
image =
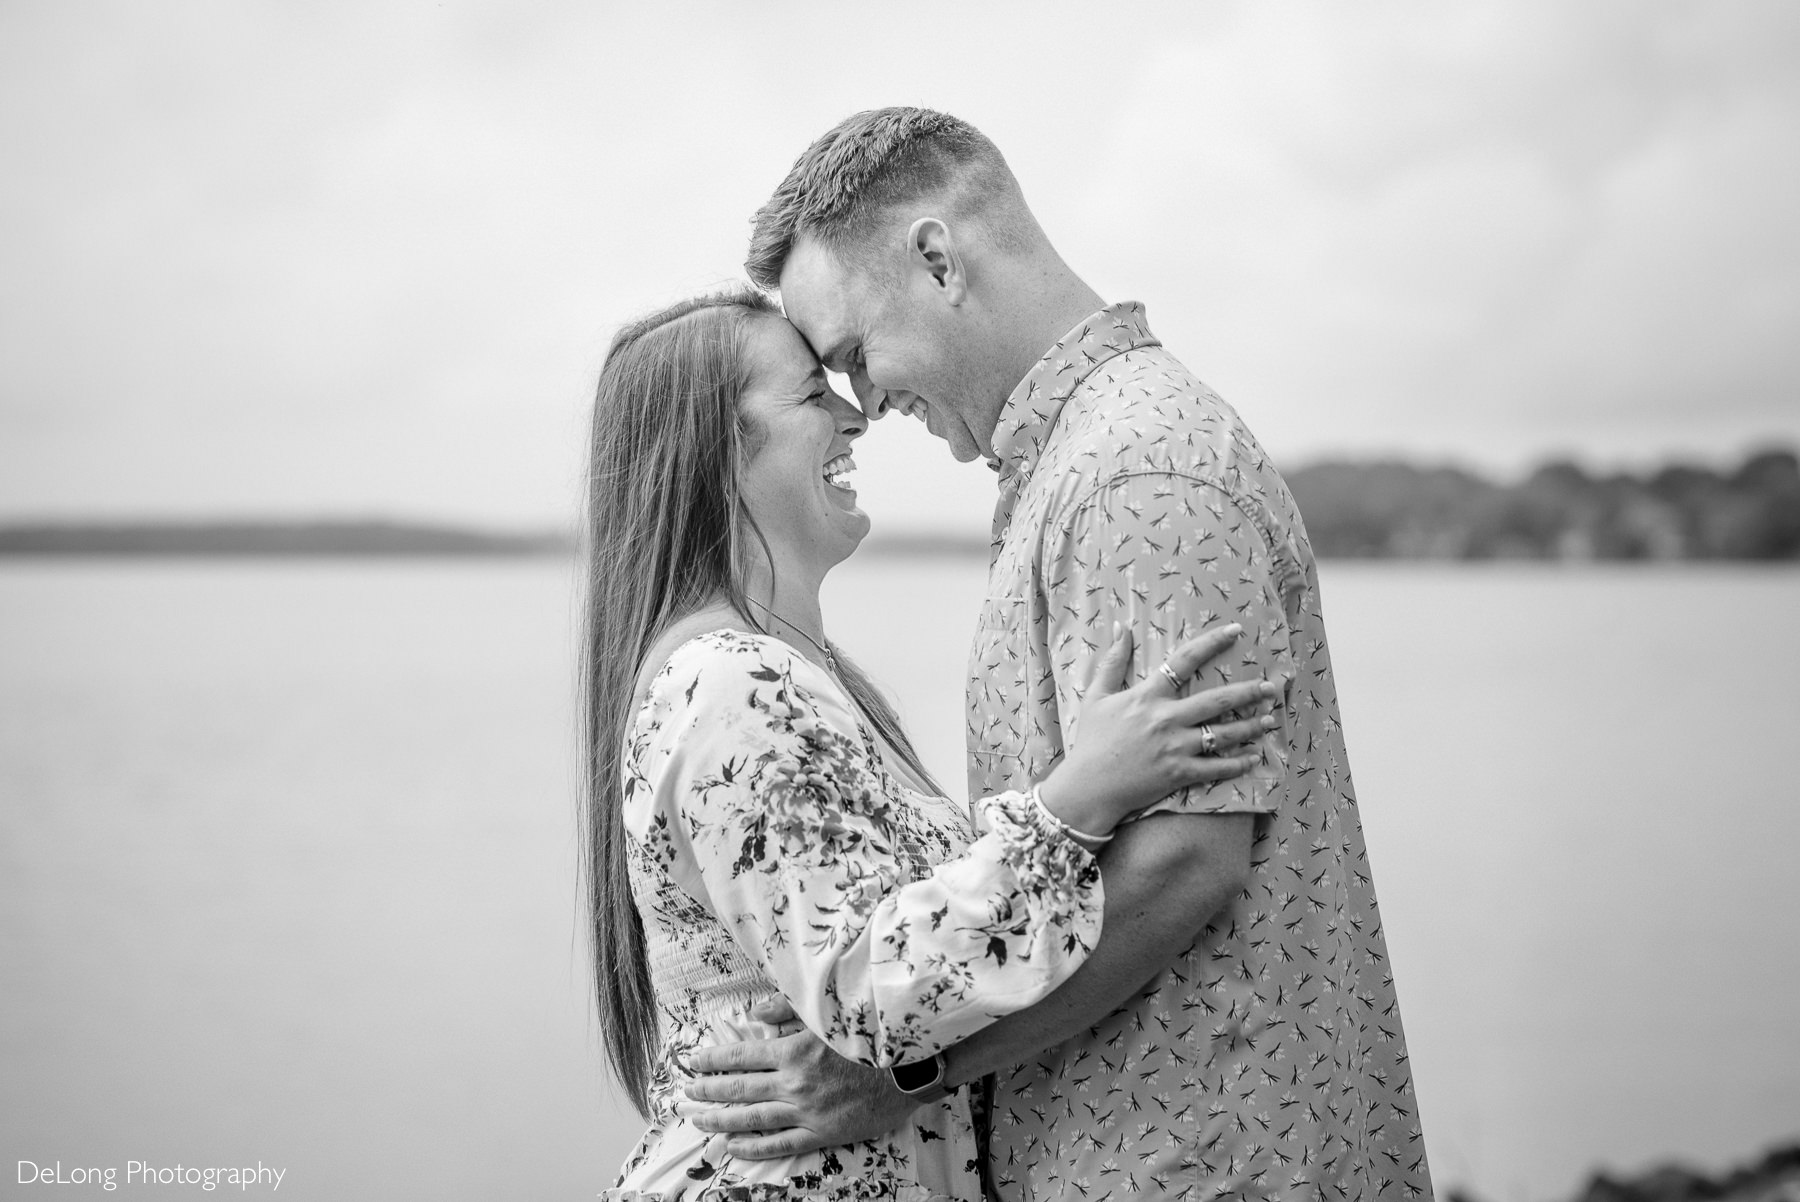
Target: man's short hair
{"points": [[843, 186]]}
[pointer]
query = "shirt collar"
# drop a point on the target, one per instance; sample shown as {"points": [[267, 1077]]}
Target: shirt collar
{"points": [[1031, 411]]}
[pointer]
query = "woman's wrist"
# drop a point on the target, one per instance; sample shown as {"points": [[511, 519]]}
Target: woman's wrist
{"points": [[1085, 825]]}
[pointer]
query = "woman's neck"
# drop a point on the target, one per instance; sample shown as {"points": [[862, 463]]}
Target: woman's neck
{"points": [[787, 604]]}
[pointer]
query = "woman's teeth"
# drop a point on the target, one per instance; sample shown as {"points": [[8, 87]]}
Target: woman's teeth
{"points": [[837, 472]]}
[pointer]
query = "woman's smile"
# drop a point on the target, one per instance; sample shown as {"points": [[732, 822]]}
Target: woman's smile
{"points": [[837, 473], [802, 431]]}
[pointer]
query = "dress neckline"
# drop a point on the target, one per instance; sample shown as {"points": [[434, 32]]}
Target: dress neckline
{"points": [[888, 757]]}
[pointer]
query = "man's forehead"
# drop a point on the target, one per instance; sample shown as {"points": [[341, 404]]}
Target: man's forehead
{"points": [[817, 296]]}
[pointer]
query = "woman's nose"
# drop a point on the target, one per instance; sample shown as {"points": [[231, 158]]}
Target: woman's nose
{"points": [[850, 420]]}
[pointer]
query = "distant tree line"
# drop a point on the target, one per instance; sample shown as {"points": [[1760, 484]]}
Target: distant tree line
{"points": [[1773, 1178], [374, 538], [1352, 510], [1399, 511]]}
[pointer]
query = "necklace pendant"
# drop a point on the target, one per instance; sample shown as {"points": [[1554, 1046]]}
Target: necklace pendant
{"points": [[823, 648]]}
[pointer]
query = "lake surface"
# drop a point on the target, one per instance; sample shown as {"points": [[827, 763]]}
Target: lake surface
{"points": [[287, 857]]}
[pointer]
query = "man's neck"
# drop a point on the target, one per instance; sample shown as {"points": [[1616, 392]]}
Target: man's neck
{"points": [[1062, 309], [1046, 301]]}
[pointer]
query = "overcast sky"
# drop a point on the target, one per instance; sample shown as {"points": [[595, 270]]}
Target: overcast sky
{"points": [[345, 258]]}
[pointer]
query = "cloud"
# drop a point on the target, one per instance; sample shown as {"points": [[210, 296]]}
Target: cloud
{"points": [[1485, 235], [353, 257]]}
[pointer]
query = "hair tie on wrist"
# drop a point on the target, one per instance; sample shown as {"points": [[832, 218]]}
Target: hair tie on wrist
{"points": [[1079, 836]]}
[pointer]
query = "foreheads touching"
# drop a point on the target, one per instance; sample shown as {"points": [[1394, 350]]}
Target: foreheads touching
{"points": [[855, 190]]}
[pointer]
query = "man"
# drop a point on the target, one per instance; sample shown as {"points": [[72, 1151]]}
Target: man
{"points": [[1235, 1032]]}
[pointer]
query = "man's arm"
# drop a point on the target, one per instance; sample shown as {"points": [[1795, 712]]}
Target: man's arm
{"points": [[1165, 877]]}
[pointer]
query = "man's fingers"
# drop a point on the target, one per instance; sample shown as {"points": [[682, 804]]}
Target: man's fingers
{"points": [[1194, 654], [1110, 669], [744, 1056], [774, 1011], [757, 1119], [734, 1087], [791, 1142]]}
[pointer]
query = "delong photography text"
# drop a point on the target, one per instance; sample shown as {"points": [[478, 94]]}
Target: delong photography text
{"points": [[139, 1172]]}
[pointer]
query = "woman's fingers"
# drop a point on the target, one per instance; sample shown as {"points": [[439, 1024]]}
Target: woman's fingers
{"points": [[1192, 655], [1111, 667], [1226, 736], [1209, 769], [1208, 704]]}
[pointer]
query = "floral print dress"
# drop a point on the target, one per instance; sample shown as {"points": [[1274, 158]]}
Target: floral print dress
{"points": [[773, 852]]}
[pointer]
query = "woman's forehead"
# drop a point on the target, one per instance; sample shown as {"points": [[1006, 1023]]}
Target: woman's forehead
{"points": [[778, 355]]}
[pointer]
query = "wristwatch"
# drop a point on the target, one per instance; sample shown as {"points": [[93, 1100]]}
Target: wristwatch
{"points": [[922, 1080]]}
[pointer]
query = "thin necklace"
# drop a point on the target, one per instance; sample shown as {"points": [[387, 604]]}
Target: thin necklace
{"points": [[830, 658]]}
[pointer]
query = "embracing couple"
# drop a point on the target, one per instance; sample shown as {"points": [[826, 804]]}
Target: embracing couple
{"points": [[1145, 958]]}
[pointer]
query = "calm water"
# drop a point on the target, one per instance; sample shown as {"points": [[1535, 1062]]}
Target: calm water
{"points": [[287, 866]]}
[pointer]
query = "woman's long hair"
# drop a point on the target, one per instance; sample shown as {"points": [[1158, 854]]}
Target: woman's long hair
{"points": [[666, 536]]}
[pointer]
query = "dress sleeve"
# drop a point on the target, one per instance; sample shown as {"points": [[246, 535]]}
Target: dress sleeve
{"points": [[1173, 556], [761, 770]]}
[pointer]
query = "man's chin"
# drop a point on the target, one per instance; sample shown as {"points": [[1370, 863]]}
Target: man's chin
{"points": [[962, 447]]}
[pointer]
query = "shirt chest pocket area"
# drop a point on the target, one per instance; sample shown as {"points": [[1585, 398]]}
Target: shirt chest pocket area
{"points": [[999, 694]]}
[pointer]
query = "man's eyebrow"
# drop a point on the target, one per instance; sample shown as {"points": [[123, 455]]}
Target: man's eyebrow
{"points": [[833, 353]]}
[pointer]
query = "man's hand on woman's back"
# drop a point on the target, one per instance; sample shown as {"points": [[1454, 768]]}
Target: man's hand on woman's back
{"points": [[784, 1096]]}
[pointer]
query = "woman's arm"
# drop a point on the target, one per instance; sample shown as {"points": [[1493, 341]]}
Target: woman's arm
{"points": [[761, 801], [1170, 875], [782, 1097]]}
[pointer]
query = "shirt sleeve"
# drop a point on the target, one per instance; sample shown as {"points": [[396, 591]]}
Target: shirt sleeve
{"points": [[764, 775], [1171, 556]]}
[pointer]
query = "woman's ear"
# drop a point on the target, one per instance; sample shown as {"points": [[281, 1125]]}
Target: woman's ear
{"points": [[932, 252]]}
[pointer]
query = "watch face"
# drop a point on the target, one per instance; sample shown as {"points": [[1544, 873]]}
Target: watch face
{"points": [[920, 1074]]}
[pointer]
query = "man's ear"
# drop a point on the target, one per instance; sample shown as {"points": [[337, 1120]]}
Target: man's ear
{"points": [[931, 250]]}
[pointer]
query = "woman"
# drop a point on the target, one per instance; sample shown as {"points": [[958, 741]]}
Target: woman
{"points": [[757, 820]]}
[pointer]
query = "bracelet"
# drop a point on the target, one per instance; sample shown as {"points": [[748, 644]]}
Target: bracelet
{"points": [[1079, 836]]}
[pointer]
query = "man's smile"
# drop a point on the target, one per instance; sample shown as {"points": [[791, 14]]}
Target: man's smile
{"points": [[907, 403]]}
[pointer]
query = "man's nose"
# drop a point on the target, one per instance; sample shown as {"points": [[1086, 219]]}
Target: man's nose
{"points": [[873, 400]]}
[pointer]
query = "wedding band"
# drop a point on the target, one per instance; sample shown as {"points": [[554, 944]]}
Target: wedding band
{"points": [[1208, 740], [1169, 674]]}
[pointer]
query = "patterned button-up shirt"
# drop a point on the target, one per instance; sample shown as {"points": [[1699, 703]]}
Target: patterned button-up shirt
{"points": [[1266, 1061]]}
